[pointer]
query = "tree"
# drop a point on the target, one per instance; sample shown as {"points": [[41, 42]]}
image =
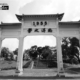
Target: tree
{"points": [[15, 51], [4, 52], [9, 56], [74, 50], [65, 47], [70, 49], [39, 51], [33, 52], [34, 47], [46, 52], [26, 55], [48, 55]]}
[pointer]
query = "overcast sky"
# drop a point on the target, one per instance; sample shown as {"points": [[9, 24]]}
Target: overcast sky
{"points": [[71, 8]]}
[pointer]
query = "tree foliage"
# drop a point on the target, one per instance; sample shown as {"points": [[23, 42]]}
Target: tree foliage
{"points": [[15, 51], [40, 52], [6, 53], [46, 52], [26, 55], [70, 49], [33, 52]]}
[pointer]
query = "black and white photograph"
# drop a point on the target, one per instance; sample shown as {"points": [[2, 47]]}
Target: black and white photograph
{"points": [[40, 39]]}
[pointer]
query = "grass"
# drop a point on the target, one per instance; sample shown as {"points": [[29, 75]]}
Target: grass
{"points": [[10, 65], [27, 64], [45, 64], [7, 65], [39, 65]]}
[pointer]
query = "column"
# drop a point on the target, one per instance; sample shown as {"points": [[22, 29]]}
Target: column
{"points": [[20, 56], [0, 41], [59, 57], [0, 45], [79, 43]]}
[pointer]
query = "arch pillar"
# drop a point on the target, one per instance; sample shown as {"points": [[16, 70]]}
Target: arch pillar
{"points": [[0, 45], [0, 41], [20, 56], [79, 41], [59, 57]]}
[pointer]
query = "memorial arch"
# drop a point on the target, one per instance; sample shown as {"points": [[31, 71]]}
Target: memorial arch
{"points": [[48, 24]]}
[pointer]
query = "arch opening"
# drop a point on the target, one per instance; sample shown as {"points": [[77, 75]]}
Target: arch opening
{"points": [[9, 53], [40, 52]]}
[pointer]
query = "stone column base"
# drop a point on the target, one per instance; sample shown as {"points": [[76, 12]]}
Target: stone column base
{"points": [[61, 73], [19, 71]]}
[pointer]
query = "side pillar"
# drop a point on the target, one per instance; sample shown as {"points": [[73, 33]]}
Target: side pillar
{"points": [[0, 45], [0, 41], [59, 57], [79, 44], [20, 56]]}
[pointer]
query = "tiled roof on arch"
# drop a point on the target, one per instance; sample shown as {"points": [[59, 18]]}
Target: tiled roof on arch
{"points": [[20, 17]]}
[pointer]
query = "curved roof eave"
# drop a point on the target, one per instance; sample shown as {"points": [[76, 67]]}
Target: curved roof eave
{"points": [[59, 16]]}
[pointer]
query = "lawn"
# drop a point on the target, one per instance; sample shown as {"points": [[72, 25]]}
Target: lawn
{"points": [[41, 64], [11, 65], [45, 64], [7, 65]]}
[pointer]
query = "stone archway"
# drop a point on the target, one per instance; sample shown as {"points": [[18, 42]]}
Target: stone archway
{"points": [[40, 25]]}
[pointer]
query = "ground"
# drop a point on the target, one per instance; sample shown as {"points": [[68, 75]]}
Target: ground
{"points": [[8, 68]]}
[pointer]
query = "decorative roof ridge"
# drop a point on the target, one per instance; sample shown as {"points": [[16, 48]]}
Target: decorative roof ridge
{"points": [[38, 14], [20, 17]]}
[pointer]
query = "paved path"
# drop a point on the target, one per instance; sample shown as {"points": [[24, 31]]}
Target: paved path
{"points": [[38, 79], [35, 74]]}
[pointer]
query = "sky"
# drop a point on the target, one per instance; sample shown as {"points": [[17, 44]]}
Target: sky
{"points": [[13, 43], [70, 8]]}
